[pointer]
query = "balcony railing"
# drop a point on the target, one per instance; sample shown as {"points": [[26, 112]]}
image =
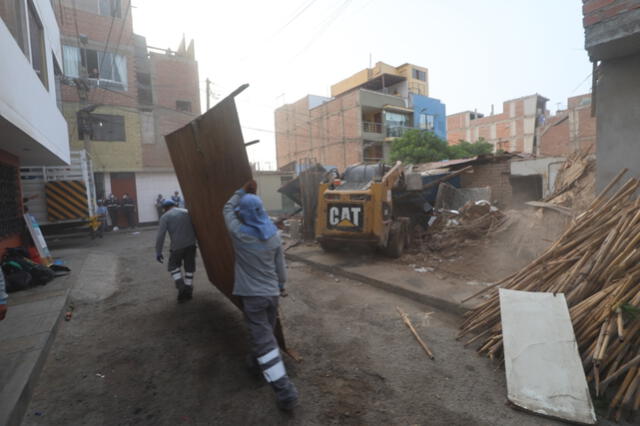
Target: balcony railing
{"points": [[396, 131], [371, 127]]}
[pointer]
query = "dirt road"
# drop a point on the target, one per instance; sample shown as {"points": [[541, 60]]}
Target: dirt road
{"points": [[137, 357]]}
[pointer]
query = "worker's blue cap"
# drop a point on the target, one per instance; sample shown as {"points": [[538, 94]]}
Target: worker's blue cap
{"points": [[168, 203]]}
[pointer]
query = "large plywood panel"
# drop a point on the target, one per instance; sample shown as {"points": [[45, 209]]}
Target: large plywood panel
{"points": [[543, 367], [211, 163]]}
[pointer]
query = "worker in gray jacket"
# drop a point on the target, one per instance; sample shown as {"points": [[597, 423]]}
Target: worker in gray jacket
{"points": [[183, 247], [260, 276]]}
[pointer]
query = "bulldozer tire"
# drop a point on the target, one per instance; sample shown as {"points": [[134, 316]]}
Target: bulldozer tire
{"points": [[329, 246], [395, 243]]}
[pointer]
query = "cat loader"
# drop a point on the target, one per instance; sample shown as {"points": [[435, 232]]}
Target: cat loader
{"points": [[359, 209]]}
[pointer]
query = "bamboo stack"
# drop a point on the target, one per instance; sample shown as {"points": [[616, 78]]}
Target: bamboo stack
{"points": [[595, 263]]}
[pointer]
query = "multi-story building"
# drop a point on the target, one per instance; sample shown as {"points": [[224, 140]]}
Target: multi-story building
{"points": [[569, 130], [121, 97], [32, 127], [364, 114], [513, 130], [612, 38]]}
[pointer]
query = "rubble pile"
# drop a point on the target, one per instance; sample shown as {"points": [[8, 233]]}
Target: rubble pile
{"points": [[452, 228], [595, 263], [575, 182]]}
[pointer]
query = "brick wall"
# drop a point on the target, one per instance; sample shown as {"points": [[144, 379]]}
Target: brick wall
{"points": [[96, 28], [495, 174], [329, 133], [569, 130], [506, 130], [173, 78], [595, 11]]}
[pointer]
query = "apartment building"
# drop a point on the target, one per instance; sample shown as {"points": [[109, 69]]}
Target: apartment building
{"points": [[512, 130], [32, 127], [133, 95], [360, 120]]}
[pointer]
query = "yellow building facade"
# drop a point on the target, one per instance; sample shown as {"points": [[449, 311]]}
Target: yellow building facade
{"points": [[122, 149], [417, 78]]}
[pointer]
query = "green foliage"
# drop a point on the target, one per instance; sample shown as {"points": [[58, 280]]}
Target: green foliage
{"points": [[417, 146], [466, 149]]}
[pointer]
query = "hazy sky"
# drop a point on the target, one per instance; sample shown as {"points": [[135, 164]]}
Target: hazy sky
{"points": [[478, 53]]}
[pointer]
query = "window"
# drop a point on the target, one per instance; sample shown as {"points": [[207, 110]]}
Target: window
{"points": [[110, 8], [36, 37], [427, 122], [395, 123], [12, 13], [183, 106], [108, 68], [104, 127], [419, 75]]}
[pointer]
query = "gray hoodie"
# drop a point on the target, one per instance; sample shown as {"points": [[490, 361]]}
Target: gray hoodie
{"points": [[178, 222], [260, 268]]}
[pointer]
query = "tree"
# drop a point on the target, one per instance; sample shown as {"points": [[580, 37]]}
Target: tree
{"points": [[422, 146], [466, 149], [417, 146]]}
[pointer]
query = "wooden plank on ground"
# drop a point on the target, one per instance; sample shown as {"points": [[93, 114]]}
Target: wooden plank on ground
{"points": [[543, 367], [211, 163]]}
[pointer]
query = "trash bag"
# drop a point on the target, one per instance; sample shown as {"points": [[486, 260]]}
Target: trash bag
{"points": [[14, 261], [17, 281]]}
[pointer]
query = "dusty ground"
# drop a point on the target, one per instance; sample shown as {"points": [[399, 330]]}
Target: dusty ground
{"points": [[489, 259], [139, 358]]}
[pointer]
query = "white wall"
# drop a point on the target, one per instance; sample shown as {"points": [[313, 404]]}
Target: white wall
{"points": [[148, 186], [27, 104], [546, 167]]}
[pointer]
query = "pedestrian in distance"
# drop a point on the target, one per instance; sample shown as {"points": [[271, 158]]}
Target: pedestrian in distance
{"points": [[260, 277], [129, 209], [101, 212], [177, 200], [159, 203], [183, 247], [113, 205]]}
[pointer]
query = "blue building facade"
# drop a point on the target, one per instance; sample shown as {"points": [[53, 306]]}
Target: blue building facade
{"points": [[429, 114]]}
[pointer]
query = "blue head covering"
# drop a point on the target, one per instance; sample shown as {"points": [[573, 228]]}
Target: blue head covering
{"points": [[255, 220], [168, 203]]}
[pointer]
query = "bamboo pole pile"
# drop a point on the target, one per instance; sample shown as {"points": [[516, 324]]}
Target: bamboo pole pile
{"points": [[596, 264]]}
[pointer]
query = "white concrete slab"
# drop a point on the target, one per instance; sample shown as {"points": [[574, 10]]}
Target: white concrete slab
{"points": [[543, 367]]}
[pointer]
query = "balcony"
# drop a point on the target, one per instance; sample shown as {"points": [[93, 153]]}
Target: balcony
{"points": [[396, 131], [379, 132], [371, 127]]}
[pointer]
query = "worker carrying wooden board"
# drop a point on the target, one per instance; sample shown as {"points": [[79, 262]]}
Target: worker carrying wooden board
{"points": [[260, 277]]}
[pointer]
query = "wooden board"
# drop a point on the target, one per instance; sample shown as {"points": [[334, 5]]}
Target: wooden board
{"points": [[542, 364], [211, 163]]}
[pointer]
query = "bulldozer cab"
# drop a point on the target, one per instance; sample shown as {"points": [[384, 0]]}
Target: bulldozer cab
{"points": [[358, 208]]}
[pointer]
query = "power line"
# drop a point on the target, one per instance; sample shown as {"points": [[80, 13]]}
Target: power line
{"points": [[294, 18], [117, 48], [323, 27]]}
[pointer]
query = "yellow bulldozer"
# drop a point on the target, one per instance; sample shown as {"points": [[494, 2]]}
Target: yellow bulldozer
{"points": [[368, 206]]}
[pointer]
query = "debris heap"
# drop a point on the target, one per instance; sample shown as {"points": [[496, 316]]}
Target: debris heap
{"points": [[473, 221], [575, 182], [595, 263]]}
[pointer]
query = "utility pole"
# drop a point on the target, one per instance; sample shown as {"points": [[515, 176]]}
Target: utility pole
{"points": [[208, 92]]}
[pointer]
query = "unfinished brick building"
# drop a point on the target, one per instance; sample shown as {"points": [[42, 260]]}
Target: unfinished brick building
{"points": [[513, 130], [366, 113], [570, 129]]}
